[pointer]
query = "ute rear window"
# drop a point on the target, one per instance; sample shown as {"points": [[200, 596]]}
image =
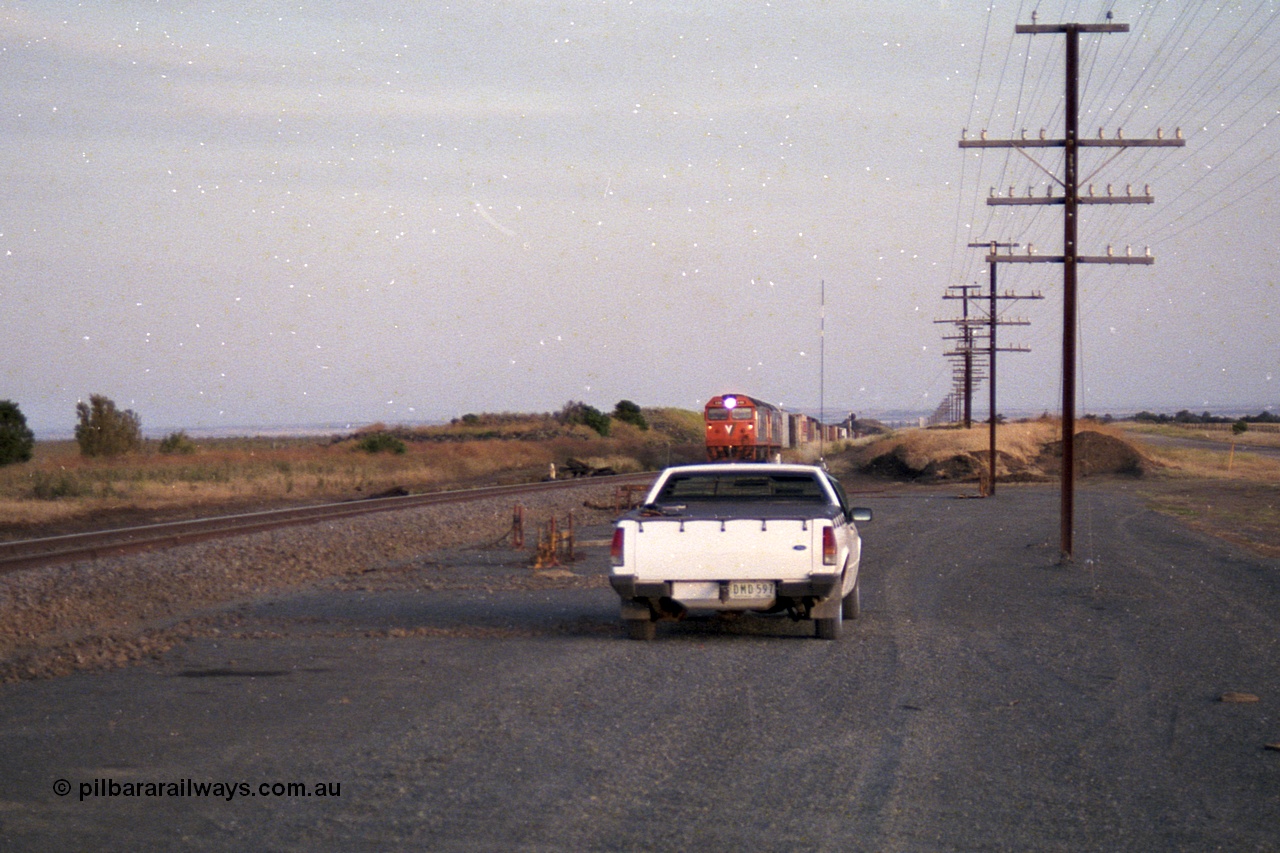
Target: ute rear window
{"points": [[685, 488]]}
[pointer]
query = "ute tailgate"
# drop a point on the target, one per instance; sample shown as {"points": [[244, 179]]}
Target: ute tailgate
{"points": [[727, 549]]}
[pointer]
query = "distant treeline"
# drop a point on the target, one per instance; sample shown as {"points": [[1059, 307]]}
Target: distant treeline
{"points": [[1186, 417]]}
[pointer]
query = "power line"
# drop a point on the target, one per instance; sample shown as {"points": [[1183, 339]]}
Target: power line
{"points": [[1071, 200]]}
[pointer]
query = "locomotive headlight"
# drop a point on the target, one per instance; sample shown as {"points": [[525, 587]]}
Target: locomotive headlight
{"points": [[730, 402]]}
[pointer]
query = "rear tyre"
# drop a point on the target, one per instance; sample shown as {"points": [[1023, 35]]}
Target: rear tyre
{"points": [[851, 605], [641, 629], [827, 629]]}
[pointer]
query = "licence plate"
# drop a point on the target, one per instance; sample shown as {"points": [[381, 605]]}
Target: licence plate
{"points": [[751, 589]]}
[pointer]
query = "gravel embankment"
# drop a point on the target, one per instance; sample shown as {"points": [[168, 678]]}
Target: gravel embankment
{"points": [[106, 613]]}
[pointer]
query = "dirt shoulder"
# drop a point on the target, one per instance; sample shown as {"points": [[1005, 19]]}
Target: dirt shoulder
{"points": [[1241, 512]]}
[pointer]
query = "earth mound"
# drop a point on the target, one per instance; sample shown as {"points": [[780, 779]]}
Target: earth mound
{"points": [[1096, 453], [933, 461]]}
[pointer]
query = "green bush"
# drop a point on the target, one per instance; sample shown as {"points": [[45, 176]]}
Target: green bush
{"points": [[103, 430], [380, 442], [177, 442], [580, 413], [50, 487], [16, 440], [629, 413]]}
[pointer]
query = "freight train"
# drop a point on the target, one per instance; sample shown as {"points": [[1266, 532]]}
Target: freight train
{"points": [[744, 429]]}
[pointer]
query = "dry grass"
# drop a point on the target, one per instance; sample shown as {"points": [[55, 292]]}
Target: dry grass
{"points": [[1023, 451], [1240, 511], [1021, 441], [1219, 455], [1264, 435], [1225, 464], [680, 425], [61, 488], [1234, 495], [28, 513], [59, 484], [1021, 447]]}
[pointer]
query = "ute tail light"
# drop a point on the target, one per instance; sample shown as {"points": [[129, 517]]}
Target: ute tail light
{"points": [[615, 548], [828, 546]]}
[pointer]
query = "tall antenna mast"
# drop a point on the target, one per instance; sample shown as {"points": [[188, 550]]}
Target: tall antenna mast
{"points": [[822, 368]]}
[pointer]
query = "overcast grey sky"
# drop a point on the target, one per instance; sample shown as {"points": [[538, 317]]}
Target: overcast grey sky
{"points": [[260, 213]]}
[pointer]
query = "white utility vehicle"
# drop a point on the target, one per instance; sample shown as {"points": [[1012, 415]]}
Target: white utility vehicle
{"points": [[739, 537]]}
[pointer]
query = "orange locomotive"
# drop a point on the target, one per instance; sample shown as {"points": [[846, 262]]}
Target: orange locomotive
{"points": [[743, 428]]}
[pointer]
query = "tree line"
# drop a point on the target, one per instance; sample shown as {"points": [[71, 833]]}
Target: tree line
{"points": [[1187, 417], [103, 429]]}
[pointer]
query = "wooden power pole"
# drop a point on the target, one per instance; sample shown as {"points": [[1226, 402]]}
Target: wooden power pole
{"points": [[964, 350], [1071, 199], [993, 319]]}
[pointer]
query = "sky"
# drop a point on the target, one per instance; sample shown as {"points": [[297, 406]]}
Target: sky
{"points": [[248, 215]]}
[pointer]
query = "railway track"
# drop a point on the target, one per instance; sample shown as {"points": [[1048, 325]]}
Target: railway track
{"points": [[29, 553]]}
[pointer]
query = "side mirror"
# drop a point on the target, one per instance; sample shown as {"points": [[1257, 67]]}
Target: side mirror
{"points": [[860, 513]]}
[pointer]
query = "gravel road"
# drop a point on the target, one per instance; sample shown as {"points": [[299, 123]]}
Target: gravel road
{"points": [[451, 698]]}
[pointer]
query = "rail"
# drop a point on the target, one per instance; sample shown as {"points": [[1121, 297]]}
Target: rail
{"points": [[28, 553]]}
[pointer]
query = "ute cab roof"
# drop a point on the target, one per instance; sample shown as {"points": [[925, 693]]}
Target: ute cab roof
{"points": [[727, 485], [750, 467]]}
